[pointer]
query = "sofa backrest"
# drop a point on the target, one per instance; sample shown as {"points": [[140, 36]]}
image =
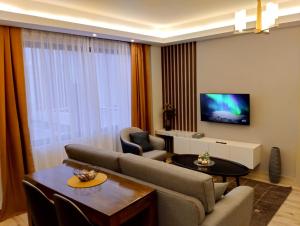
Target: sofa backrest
{"points": [[94, 156], [173, 208], [172, 177]]}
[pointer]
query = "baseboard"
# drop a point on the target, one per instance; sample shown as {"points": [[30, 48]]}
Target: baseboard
{"points": [[264, 177]]}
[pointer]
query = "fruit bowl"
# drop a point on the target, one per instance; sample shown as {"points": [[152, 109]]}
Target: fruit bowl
{"points": [[85, 175]]}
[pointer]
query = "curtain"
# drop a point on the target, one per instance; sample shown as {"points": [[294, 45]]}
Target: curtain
{"points": [[78, 91], [180, 84], [141, 115], [15, 150]]}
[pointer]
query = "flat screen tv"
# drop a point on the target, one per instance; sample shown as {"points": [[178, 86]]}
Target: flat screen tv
{"points": [[225, 108]]}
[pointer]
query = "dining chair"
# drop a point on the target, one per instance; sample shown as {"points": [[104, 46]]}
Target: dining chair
{"points": [[68, 213], [40, 209]]}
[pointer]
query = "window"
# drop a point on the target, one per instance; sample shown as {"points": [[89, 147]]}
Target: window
{"points": [[78, 91]]}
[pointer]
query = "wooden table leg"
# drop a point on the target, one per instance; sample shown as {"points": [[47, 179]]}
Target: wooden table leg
{"points": [[114, 222], [150, 218], [237, 179], [30, 223], [224, 178]]}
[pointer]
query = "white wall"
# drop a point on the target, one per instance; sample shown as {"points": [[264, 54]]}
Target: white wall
{"points": [[156, 75], [267, 67]]}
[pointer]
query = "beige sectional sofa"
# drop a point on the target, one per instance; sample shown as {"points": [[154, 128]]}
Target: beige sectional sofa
{"points": [[185, 197]]}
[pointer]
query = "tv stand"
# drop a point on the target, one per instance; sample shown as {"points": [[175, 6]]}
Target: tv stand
{"points": [[247, 154]]}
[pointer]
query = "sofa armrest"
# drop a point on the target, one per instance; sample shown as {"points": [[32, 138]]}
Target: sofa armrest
{"points": [[93, 155], [157, 142], [235, 209], [176, 209], [129, 147]]}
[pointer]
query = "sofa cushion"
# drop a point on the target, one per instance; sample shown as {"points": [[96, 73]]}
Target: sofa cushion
{"points": [[94, 156], [188, 182], [220, 189], [142, 139]]}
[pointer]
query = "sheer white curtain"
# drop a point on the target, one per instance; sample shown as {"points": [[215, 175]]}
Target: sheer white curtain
{"points": [[78, 91]]}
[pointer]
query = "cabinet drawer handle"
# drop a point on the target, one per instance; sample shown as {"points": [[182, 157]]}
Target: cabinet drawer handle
{"points": [[220, 142]]}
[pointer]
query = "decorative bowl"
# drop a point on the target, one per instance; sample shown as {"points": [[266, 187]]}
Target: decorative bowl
{"points": [[204, 160], [211, 163], [85, 175]]}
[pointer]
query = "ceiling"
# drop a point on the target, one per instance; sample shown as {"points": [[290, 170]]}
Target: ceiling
{"points": [[156, 13], [154, 21]]}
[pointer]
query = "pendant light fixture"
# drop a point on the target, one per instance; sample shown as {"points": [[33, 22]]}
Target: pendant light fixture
{"points": [[264, 19]]}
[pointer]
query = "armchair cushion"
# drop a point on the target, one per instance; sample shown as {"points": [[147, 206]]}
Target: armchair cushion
{"points": [[142, 139]]}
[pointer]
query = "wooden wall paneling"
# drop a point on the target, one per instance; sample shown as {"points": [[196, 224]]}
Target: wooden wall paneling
{"points": [[179, 84]]}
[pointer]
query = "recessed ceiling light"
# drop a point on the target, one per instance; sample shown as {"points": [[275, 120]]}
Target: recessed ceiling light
{"points": [[94, 35], [132, 40]]}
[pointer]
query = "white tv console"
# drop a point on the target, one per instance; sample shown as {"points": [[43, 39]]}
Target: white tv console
{"points": [[247, 154]]}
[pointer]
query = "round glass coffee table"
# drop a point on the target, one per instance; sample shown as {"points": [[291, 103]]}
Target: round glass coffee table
{"points": [[222, 167]]}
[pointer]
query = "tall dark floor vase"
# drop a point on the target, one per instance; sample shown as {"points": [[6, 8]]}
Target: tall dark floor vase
{"points": [[275, 165]]}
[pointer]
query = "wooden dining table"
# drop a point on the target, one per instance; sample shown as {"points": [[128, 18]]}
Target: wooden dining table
{"points": [[117, 201]]}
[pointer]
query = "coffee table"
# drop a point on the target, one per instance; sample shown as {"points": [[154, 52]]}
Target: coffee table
{"points": [[222, 167]]}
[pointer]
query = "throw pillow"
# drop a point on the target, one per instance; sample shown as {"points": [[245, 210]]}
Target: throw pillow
{"points": [[142, 139], [220, 189]]}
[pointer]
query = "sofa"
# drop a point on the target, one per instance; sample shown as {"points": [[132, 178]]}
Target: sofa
{"points": [[184, 197]]}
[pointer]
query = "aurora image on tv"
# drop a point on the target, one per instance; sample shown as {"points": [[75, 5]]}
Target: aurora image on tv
{"points": [[225, 108]]}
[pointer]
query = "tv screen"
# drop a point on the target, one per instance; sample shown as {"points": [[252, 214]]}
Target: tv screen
{"points": [[225, 108]]}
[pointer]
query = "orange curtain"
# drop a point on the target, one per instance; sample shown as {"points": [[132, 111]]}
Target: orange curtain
{"points": [[15, 150], [141, 114]]}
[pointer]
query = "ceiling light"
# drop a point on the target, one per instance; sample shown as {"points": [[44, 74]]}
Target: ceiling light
{"points": [[240, 20], [271, 14], [94, 35], [132, 40], [264, 19]]}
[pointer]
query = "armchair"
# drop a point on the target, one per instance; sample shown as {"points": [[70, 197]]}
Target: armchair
{"points": [[158, 144]]}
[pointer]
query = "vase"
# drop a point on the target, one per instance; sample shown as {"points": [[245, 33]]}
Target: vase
{"points": [[168, 125], [275, 165]]}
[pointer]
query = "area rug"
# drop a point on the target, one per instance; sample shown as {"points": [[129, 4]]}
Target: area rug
{"points": [[267, 199]]}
